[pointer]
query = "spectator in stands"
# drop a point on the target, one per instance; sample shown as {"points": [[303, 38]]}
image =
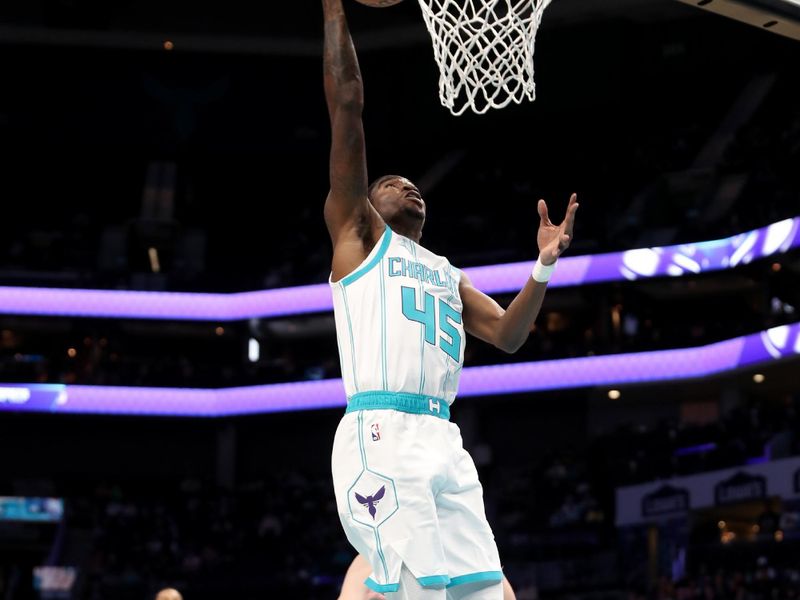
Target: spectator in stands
{"points": [[169, 594], [768, 520]]}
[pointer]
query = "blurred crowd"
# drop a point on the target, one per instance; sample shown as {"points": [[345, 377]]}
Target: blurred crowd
{"points": [[278, 535], [756, 582], [272, 538], [642, 186], [574, 323]]}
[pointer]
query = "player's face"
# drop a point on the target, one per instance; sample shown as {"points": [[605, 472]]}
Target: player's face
{"points": [[397, 199]]}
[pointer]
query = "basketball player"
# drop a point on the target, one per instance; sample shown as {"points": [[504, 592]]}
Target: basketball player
{"points": [[353, 587], [407, 492]]}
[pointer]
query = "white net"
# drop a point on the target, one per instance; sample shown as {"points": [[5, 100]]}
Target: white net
{"points": [[484, 50]]}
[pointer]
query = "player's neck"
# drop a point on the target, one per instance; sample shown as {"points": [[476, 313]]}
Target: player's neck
{"points": [[413, 234]]}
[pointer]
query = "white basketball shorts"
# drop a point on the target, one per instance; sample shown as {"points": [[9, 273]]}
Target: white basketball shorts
{"points": [[408, 493]]}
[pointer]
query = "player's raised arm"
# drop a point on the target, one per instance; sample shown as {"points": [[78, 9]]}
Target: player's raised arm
{"points": [[508, 329], [347, 205]]}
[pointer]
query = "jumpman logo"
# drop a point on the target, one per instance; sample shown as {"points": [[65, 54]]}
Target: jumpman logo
{"points": [[371, 501]]}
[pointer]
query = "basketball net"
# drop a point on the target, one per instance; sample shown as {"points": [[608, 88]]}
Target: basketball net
{"points": [[484, 50]]}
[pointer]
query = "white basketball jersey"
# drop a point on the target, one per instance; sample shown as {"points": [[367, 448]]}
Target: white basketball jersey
{"points": [[398, 322]]}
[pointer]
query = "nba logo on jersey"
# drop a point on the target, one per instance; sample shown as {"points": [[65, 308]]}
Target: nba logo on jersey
{"points": [[376, 432]]}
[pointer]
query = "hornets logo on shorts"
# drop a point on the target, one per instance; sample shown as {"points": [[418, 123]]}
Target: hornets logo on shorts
{"points": [[371, 501]]}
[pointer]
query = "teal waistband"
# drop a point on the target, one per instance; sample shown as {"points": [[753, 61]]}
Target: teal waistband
{"points": [[415, 404]]}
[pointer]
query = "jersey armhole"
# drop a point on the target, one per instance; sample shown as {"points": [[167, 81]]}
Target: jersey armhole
{"points": [[369, 263]]}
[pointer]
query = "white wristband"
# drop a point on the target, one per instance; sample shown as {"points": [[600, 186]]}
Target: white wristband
{"points": [[541, 273]]}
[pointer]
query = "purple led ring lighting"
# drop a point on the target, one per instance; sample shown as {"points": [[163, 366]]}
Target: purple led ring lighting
{"points": [[642, 263], [640, 367]]}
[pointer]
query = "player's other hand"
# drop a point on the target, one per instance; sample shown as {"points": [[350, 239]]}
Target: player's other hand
{"points": [[554, 239]]}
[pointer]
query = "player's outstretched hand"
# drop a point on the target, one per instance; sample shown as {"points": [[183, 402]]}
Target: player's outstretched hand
{"points": [[554, 239]]}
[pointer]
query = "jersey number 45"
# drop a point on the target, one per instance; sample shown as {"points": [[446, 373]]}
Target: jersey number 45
{"points": [[431, 314]]}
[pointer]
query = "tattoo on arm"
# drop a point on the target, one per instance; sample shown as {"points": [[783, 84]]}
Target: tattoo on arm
{"points": [[342, 73]]}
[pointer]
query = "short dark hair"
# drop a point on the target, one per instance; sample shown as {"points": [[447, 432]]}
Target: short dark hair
{"points": [[379, 181]]}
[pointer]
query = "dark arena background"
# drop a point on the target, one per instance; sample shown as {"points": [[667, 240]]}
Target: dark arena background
{"points": [[167, 406]]}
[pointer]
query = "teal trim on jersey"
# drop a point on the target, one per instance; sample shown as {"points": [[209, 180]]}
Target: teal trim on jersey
{"points": [[384, 359], [415, 404], [361, 454], [381, 588], [352, 340], [355, 276], [380, 553], [434, 581], [365, 468], [360, 420], [421, 286], [473, 577]]}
